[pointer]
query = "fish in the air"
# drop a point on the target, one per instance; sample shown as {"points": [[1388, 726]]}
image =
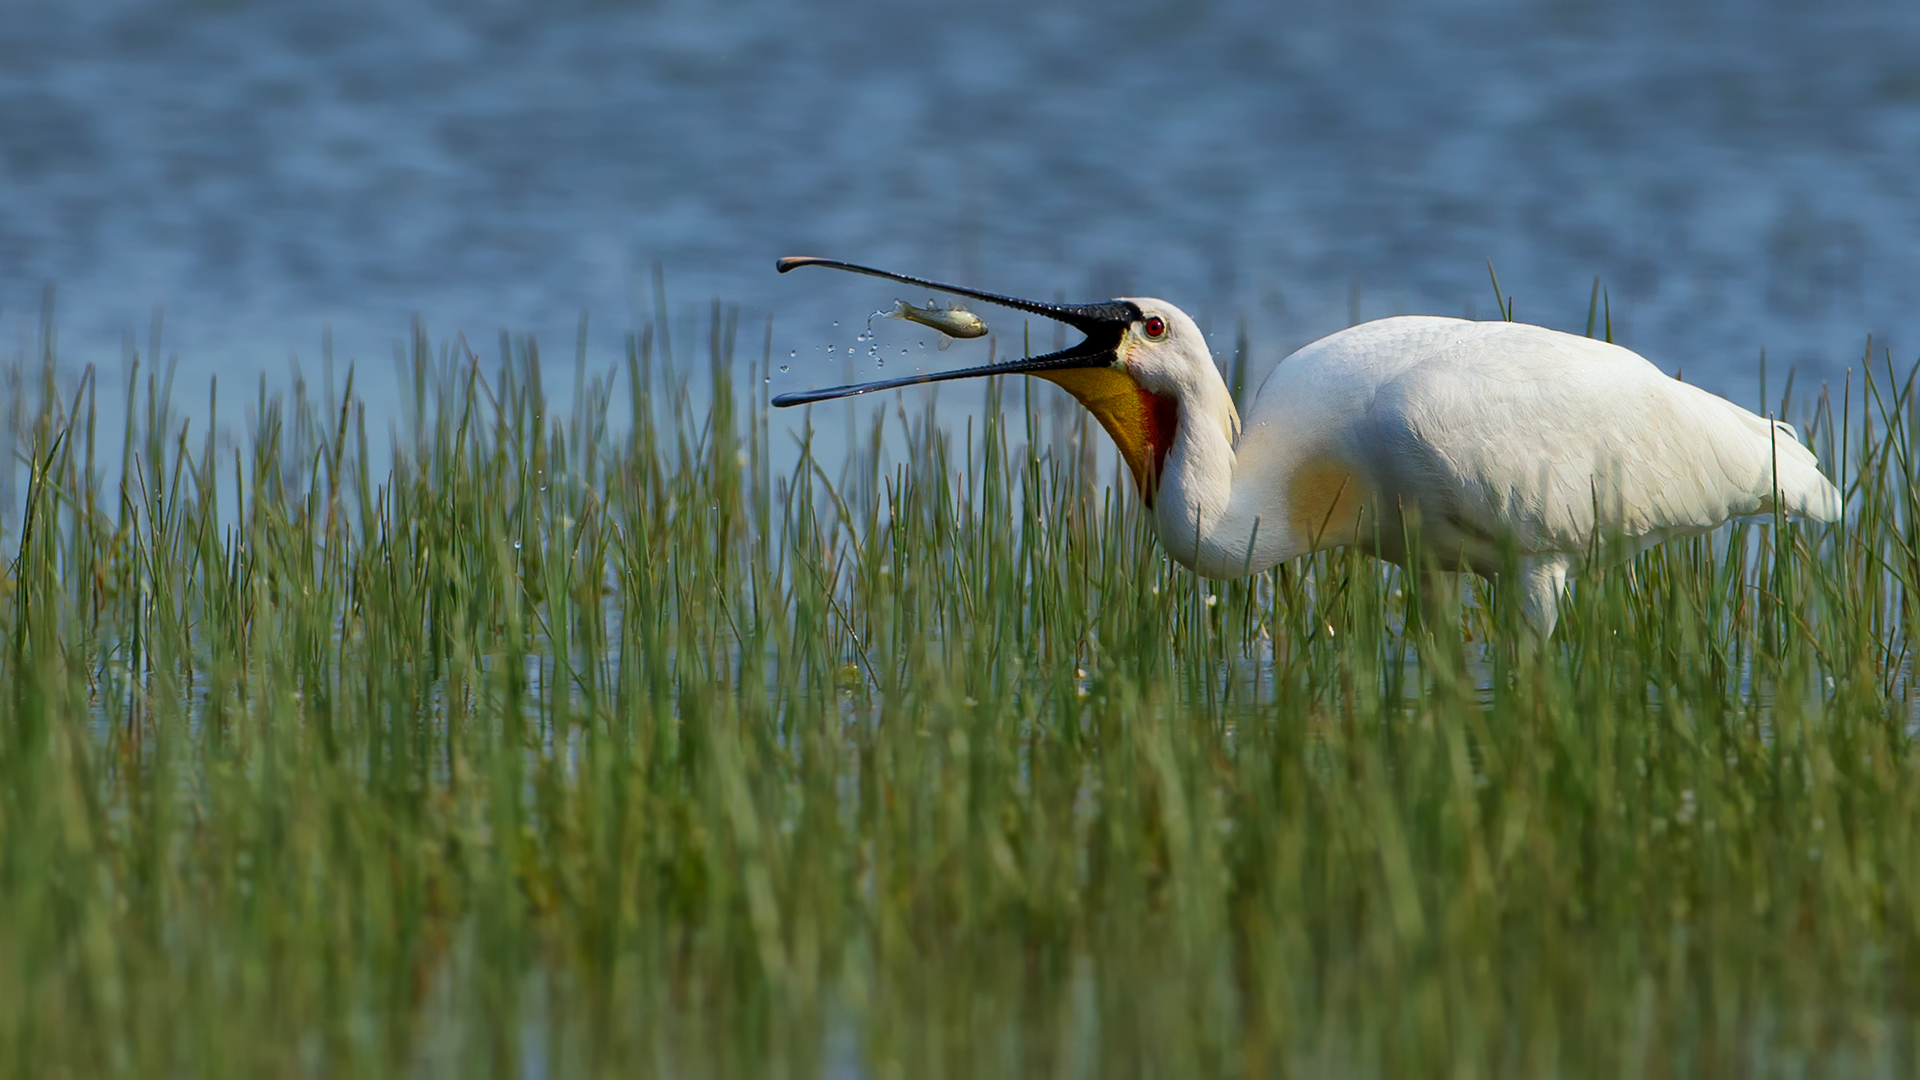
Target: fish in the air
{"points": [[952, 322]]}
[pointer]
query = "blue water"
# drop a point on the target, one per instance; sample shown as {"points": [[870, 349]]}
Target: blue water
{"points": [[1739, 173]]}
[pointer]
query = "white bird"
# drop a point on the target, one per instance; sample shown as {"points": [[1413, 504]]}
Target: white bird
{"points": [[1490, 440]]}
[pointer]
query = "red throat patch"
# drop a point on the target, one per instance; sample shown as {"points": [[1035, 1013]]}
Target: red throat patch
{"points": [[1163, 423], [1142, 424]]}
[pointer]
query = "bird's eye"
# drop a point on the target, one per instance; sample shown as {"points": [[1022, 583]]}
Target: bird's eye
{"points": [[1155, 326]]}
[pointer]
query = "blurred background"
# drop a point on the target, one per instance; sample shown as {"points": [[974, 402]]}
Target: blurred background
{"points": [[1740, 174]]}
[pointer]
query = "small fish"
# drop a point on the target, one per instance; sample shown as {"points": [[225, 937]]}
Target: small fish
{"points": [[954, 322]]}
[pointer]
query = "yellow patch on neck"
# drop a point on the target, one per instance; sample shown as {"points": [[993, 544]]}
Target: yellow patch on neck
{"points": [[1324, 504], [1140, 423]]}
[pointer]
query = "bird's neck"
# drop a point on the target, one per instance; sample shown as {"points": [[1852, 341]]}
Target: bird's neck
{"points": [[1194, 493]]}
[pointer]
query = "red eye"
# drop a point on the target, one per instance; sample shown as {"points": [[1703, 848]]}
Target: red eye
{"points": [[1155, 326]]}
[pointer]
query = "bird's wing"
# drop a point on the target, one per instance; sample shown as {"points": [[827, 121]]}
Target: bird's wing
{"points": [[1515, 430]]}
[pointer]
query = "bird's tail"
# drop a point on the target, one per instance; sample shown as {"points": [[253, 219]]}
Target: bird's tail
{"points": [[1797, 480]]}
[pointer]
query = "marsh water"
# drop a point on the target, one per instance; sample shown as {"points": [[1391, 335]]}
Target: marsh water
{"points": [[1740, 175]]}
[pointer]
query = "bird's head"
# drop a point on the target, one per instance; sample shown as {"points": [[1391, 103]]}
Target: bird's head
{"points": [[1139, 360], [1163, 350]]}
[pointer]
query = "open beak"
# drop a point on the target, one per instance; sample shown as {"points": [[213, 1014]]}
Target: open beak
{"points": [[1104, 325]]}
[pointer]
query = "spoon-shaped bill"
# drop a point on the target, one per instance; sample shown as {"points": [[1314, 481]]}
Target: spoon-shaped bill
{"points": [[1103, 323]]}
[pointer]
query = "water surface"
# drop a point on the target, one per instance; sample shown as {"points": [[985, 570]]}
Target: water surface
{"points": [[1740, 174]]}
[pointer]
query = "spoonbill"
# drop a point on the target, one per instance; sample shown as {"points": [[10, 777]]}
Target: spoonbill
{"points": [[1494, 440]]}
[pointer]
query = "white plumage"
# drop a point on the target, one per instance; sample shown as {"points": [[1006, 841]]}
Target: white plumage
{"points": [[1477, 434], [1489, 441]]}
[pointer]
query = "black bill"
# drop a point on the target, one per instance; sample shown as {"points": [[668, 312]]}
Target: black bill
{"points": [[1104, 324]]}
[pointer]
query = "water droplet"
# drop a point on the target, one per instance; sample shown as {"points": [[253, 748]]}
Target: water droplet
{"points": [[783, 367], [516, 545], [836, 322], [769, 378], [792, 353]]}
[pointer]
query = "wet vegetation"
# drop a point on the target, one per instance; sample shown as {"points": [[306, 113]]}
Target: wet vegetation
{"points": [[604, 737]]}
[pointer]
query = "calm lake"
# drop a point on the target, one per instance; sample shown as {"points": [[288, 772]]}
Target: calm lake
{"points": [[1739, 173]]}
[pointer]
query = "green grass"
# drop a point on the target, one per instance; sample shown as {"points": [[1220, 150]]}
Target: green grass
{"points": [[581, 747]]}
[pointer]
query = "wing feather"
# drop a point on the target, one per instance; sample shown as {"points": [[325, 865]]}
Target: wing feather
{"points": [[1504, 429]]}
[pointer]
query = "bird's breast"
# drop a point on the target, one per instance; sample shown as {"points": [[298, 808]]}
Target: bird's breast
{"points": [[1325, 502]]}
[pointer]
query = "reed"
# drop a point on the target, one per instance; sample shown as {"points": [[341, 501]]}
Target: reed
{"points": [[613, 739]]}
